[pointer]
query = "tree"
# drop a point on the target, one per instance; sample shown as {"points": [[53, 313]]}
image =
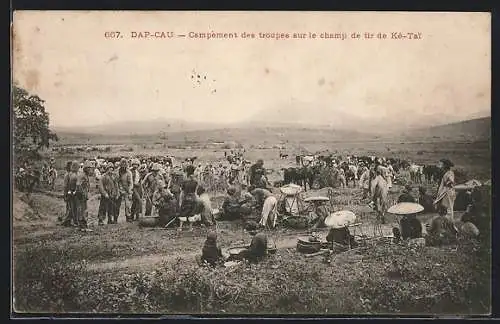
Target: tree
{"points": [[31, 125]]}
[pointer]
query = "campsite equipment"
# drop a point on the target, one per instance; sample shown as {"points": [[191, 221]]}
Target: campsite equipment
{"points": [[340, 219], [291, 195], [304, 245], [296, 222], [230, 264], [236, 250], [149, 221], [405, 208]]}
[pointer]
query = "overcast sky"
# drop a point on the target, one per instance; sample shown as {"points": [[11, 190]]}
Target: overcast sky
{"points": [[87, 79]]}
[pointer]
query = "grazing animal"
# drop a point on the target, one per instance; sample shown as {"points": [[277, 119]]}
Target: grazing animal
{"points": [[283, 156], [302, 176], [432, 173]]}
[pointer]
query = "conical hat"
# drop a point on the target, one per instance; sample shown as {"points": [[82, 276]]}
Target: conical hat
{"points": [[291, 189], [316, 198], [405, 208], [340, 219]]}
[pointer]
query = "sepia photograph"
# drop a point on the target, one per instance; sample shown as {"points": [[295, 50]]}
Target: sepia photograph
{"points": [[251, 163]]}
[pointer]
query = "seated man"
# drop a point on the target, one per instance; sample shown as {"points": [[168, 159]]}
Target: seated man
{"points": [[210, 252], [247, 203], [410, 227], [257, 250], [319, 214], [341, 236], [441, 231], [406, 195], [426, 200], [231, 205], [476, 212], [165, 203]]}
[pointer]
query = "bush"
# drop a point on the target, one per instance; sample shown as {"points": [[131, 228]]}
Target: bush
{"points": [[47, 282], [411, 282]]}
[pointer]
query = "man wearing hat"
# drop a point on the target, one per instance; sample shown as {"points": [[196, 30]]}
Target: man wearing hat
{"points": [[446, 195], [150, 185], [82, 196], [136, 208], [70, 181], [125, 188], [108, 189]]}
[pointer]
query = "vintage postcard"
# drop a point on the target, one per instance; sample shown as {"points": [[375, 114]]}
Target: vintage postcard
{"points": [[251, 162]]}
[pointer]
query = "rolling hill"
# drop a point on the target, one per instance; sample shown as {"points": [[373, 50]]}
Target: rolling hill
{"points": [[473, 130]]}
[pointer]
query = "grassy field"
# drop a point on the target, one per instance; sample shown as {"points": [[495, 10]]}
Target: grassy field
{"points": [[125, 268]]}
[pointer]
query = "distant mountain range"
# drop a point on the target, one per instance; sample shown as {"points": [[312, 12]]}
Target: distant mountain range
{"points": [[253, 133], [344, 123]]}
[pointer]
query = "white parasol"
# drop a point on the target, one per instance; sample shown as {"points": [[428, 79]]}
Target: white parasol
{"points": [[291, 189], [340, 219], [317, 198], [405, 208]]}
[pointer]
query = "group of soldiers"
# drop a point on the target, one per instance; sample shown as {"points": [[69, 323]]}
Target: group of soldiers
{"points": [[142, 187]]}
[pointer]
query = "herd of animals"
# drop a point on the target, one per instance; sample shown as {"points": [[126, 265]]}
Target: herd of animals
{"points": [[309, 169]]}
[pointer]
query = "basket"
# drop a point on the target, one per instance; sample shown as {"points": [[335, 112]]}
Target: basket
{"points": [[305, 246], [296, 222]]}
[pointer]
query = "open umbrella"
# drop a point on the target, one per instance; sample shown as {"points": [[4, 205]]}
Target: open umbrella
{"points": [[340, 219], [405, 208]]}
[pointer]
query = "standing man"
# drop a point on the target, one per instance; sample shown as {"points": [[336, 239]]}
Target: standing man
{"points": [[136, 209], [446, 194], [70, 180], [150, 185], [82, 196], [109, 192], [125, 188], [379, 192]]}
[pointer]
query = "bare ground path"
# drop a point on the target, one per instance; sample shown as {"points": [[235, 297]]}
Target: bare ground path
{"points": [[283, 241]]}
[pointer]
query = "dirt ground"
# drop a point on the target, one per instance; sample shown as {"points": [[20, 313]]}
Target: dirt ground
{"points": [[128, 248]]}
